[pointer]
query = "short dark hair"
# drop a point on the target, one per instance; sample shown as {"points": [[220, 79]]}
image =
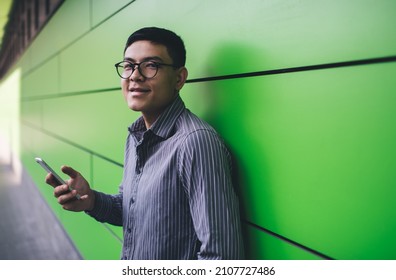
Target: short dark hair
{"points": [[173, 43]]}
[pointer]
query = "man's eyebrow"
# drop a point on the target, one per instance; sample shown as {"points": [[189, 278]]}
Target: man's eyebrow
{"points": [[149, 58]]}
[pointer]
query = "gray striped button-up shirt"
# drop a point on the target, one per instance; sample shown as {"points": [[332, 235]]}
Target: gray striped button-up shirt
{"points": [[176, 199]]}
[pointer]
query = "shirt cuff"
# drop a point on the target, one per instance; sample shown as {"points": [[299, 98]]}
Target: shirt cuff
{"points": [[101, 207]]}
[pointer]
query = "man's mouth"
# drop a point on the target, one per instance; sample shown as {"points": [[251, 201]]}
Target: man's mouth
{"points": [[139, 90]]}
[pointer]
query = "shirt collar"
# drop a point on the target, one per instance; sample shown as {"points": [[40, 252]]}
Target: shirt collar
{"points": [[164, 125]]}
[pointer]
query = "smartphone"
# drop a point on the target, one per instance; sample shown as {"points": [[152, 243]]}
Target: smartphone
{"points": [[58, 179]]}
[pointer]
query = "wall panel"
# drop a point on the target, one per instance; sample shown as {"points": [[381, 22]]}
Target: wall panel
{"points": [[31, 112], [98, 122], [89, 63], [70, 22], [43, 81]]}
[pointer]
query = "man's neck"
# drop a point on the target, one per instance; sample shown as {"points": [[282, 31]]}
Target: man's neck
{"points": [[150, 117]]}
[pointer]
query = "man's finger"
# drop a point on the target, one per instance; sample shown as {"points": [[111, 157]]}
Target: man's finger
{"points": [[69, 171], [61, 190], [50, 180], [66, 197]]}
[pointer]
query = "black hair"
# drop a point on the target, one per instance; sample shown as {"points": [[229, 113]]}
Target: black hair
{"points": [[173, 43]]}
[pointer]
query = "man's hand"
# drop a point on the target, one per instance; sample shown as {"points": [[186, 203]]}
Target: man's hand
{"points": [[68, 198]]}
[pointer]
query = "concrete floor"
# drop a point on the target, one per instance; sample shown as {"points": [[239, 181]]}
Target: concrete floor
{"points": [[28, 228]]}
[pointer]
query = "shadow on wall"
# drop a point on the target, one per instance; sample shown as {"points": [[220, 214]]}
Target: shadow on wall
{"points": [[237, 110]]}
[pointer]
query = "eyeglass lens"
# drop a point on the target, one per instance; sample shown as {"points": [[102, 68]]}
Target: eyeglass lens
{"points": [[147, 69]]}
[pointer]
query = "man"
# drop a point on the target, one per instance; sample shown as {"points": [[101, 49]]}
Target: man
{"points": [[176, 199]]}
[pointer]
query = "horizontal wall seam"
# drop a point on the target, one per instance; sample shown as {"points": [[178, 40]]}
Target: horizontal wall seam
{"points": [[234, 76], [67, 141], [297, 69], [68, 94], [110, 16], [294, 243]]}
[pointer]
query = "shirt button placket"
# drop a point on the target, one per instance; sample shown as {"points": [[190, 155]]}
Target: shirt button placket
{"points": [[131, 230]]}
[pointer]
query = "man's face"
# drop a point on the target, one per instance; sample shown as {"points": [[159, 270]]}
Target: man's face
{"points": [[151, 95]]}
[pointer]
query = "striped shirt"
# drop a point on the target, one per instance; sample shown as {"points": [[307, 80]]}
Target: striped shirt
{"points": [[176, 199]]}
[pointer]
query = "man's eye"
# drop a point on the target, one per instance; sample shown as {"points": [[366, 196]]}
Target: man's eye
{"points": [[128, 66], [152, 65]]}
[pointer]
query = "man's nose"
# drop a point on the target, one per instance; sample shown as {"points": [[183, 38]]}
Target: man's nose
{"points": [[136, 76]]}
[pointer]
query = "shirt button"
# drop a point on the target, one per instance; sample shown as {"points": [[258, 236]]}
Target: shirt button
{"points": [[129, 230]]}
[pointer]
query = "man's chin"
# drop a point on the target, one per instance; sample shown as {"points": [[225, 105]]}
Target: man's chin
{"points": [[135, 107]]}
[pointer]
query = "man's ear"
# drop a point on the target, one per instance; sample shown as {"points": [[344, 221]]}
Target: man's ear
{"points": [[182, 74]]}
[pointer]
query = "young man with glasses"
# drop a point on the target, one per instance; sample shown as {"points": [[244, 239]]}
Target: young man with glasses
{"points": [[176, 199]]}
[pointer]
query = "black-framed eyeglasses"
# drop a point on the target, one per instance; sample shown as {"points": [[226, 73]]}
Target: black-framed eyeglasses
{"points": [[148, 69]]}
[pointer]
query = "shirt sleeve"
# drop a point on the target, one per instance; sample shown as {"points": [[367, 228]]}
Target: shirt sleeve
{"points": [[107, 209], [205, 170]]}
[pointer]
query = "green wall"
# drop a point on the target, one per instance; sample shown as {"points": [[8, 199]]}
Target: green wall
{"points": [[313, 146]]}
